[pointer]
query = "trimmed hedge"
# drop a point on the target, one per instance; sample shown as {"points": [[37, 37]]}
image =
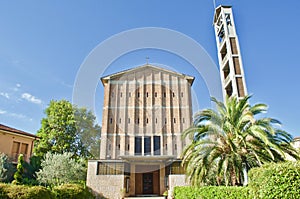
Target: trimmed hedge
{"points": [[276, 180], [70, 191], [8, 191], [211, 192]]}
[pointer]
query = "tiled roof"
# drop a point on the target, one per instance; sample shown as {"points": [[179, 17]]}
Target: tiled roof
{"points": [[297, 138], [16, 131]]}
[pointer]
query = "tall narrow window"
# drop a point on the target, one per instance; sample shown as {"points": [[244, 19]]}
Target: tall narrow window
{"points": [[165, 120], [174, 120], [156, 120], [129, 94], [138, 120], [138, 94], [138, 145], [120, 120], [147, 145], [173, 94], [147, 120], [128, 120], [15, 151], [181, 94], [156, 145], [147, 94], [165, 94], [112, 94], [155, 94], [121, 94], [110, 120], [24, 148]]}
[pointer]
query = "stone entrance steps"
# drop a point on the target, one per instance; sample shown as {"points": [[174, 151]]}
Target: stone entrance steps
{"points": [[145, 197]]}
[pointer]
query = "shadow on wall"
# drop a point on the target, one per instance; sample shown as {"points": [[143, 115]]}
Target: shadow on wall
{"points": [[96, 194]]}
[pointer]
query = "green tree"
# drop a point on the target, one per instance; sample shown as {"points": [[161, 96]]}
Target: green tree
{"points": [[67, 128], [59, 169], [18, 176], [88, 132], [58, 131], [232, 140]]}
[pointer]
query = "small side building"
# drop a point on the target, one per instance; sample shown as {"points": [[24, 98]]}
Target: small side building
{"points": [[296, 143], [14, 142]]}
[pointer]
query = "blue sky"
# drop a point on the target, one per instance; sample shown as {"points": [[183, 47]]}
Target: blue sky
{"points": [[44, 43]]}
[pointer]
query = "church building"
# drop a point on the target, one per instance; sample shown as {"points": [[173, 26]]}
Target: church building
{"points": [[145, 111]]}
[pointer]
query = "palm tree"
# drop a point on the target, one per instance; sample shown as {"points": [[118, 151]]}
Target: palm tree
{"points": [[228, 142]]}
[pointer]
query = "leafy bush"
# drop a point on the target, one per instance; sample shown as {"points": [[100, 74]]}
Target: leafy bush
{"points": [[38, 192], [30, 182], [211, 192], [6, 168], [18, 176], [279, 180], [31, 168], [60, 169], [3, 194], [71, 191], [8, 191], [74, 191]]}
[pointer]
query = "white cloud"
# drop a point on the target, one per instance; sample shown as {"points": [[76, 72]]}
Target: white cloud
{"points": [[2, 112], [17, 87], [31, 98], [6, 95], [66, 84], [17, 115]]}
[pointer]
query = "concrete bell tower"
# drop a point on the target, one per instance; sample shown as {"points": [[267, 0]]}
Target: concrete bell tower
{"points": [[229, 54]]}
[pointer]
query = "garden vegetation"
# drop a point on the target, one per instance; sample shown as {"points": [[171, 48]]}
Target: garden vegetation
{"points": [[271, 181]]}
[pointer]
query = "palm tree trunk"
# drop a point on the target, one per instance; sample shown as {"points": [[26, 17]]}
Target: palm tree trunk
{"points": [[245, 174], [233, 177]]}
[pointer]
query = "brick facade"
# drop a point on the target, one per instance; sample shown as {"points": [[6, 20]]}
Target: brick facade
{"points": [[145, 111]]}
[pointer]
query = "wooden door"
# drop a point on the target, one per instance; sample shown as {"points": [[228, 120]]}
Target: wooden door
{"points": [[147, 183], [138, 184]]}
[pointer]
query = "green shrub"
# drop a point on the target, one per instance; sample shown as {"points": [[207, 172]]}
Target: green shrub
{"points": [[211, 192], [7, 169], [9, 191], [3, 193], [38, 192], [18, 176], [60, 169], [72, 191], [276, 180]]}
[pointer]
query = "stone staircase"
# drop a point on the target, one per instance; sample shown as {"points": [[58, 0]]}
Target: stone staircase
{"points": [[146, 197]]}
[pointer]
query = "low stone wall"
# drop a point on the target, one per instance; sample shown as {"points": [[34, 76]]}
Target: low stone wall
{"points": [[109, 186], [174, 181]]}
